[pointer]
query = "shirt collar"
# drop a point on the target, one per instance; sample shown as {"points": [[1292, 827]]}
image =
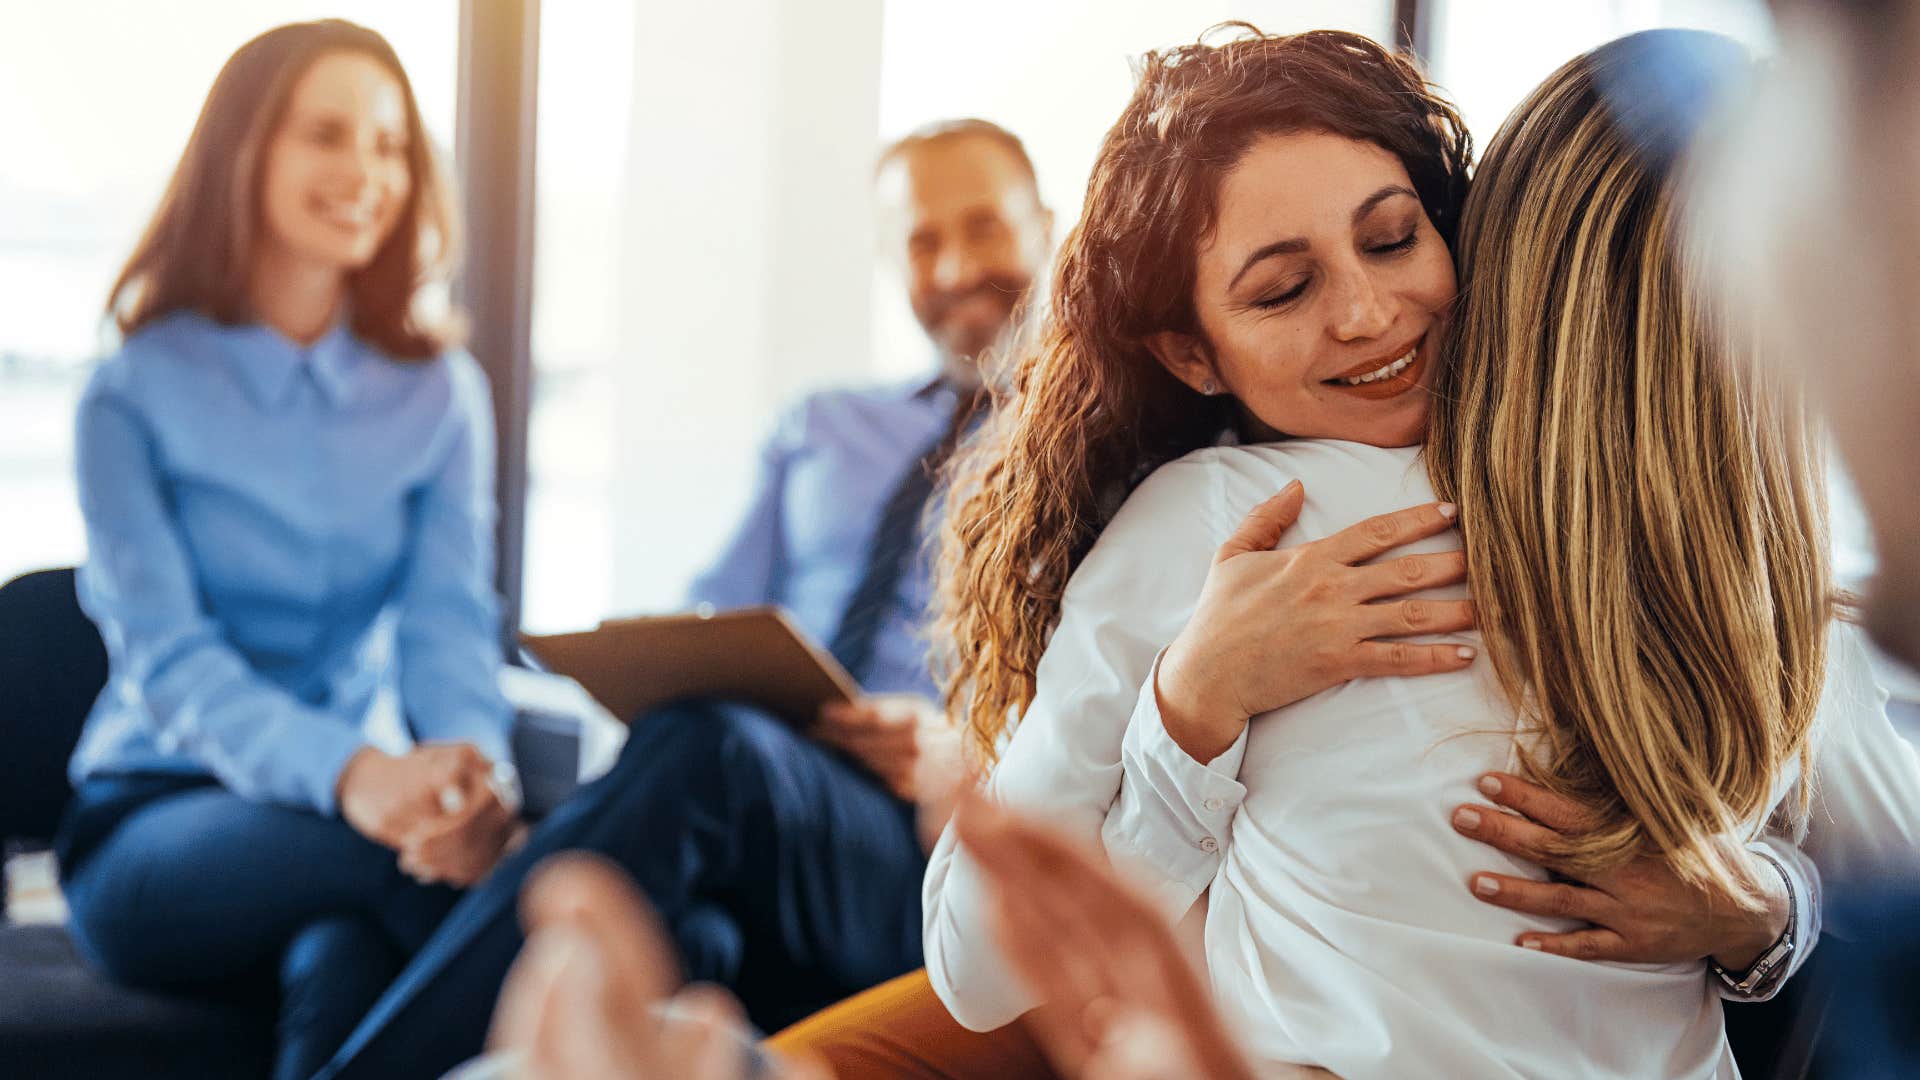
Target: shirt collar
{"points": [[934, 386], [332, 360], [271, 365]]}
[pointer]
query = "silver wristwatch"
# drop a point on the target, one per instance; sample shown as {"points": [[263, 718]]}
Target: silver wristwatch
{"points": [[1764, 972]]}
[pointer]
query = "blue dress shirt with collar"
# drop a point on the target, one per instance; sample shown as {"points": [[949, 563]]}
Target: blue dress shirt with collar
{"points": [[278, 536], [825, 476]]}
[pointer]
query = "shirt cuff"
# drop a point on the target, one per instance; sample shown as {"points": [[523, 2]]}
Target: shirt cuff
{"points": [[333, 746], [1173, 816], [1805, 926]]}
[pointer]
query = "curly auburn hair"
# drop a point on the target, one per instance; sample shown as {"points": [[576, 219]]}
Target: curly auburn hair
{"points": [[1088, 411]]}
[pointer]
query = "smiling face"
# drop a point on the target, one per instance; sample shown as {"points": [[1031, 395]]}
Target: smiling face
{"points": [[337, 177], [963, 218], [1321, 294]]}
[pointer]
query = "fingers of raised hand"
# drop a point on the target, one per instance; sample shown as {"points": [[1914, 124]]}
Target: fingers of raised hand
{"points": [[1378, 535], [593, 896], [531, 1017], [1409, 573], [1555, 811], [1598, 943], [701, 1036], [1510, 833], [1379, 659], [1403, 617], [1553, 899], [1263, 526]]}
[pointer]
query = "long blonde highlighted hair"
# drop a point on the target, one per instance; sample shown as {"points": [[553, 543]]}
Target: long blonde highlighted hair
{"points": [[1642, 508]]}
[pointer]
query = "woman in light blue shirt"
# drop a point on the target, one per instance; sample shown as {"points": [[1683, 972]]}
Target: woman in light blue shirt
{"points": [[287, 479]]}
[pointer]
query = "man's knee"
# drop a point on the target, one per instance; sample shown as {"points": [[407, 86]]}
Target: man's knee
{"points": [[699, 741]]}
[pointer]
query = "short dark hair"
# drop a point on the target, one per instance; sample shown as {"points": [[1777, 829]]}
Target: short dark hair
{"points": [[940, 131]]}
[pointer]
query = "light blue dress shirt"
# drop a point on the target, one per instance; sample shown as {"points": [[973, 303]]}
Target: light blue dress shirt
{"points": [[825, 475], [278, 538]]}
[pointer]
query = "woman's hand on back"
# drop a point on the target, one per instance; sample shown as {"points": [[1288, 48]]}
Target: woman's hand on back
{"points": [[1274, 627], [1640, 913]]}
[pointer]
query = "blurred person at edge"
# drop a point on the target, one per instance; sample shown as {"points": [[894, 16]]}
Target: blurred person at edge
{"points": [[1825, 153], [785, 864], [286, 478]]}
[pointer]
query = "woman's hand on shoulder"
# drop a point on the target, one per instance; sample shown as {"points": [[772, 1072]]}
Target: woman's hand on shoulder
{"points": [[1275, 626]]}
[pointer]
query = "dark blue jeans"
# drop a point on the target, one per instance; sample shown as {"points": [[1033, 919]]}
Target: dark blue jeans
{"points": [[781, 869], [178, 884]]}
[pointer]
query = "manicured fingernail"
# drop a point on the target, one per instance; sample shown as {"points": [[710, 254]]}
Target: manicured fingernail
{"points": [[1466, 818], [1449, 511], [1530, 943], [1465, 652], [1490, 785], [1485, 885]]}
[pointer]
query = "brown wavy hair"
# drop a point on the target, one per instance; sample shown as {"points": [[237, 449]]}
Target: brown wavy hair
{"points": [[1642, 505], [1088, 411], [198, 248]]}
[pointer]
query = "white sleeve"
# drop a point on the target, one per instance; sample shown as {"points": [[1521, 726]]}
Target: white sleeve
{"points": [[1865, 819], [1803, 880], [1169, 827], [1128, 599]]}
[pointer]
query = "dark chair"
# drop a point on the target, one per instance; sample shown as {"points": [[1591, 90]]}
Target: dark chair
{"points": [[57, 1017]]}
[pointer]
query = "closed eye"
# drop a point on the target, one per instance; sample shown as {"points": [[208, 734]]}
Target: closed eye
{"points": [[1282, 299]]}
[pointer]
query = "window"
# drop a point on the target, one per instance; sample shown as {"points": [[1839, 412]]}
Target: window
{"points": [[1489, 54], [115, 88], [581, 199]]}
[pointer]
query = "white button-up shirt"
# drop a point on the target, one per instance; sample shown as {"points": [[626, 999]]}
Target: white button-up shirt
{"points": [[1340, 930]]}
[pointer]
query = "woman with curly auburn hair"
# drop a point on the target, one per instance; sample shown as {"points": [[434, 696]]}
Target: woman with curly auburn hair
{"points": [[1257, 298]]}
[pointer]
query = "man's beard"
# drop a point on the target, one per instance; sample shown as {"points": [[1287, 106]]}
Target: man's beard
{"points": [[1006, 291]]}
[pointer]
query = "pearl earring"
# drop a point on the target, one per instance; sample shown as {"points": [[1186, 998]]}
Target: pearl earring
{"points": [[1209, 388]]}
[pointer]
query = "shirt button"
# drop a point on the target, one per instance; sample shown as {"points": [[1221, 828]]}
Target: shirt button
{"points": [[1209, 845], [1214, 804]]}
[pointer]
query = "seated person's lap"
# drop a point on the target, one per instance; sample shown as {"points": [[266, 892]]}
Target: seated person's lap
{"points": [[900, 1029], [178, 881]]}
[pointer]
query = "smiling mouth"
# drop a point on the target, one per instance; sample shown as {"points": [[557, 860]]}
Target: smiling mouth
{"points": [[1380, 379], [1381, 371], [353, 216]]}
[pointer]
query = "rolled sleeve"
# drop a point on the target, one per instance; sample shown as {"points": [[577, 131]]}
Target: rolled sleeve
{"points": [[1170, 824]]}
